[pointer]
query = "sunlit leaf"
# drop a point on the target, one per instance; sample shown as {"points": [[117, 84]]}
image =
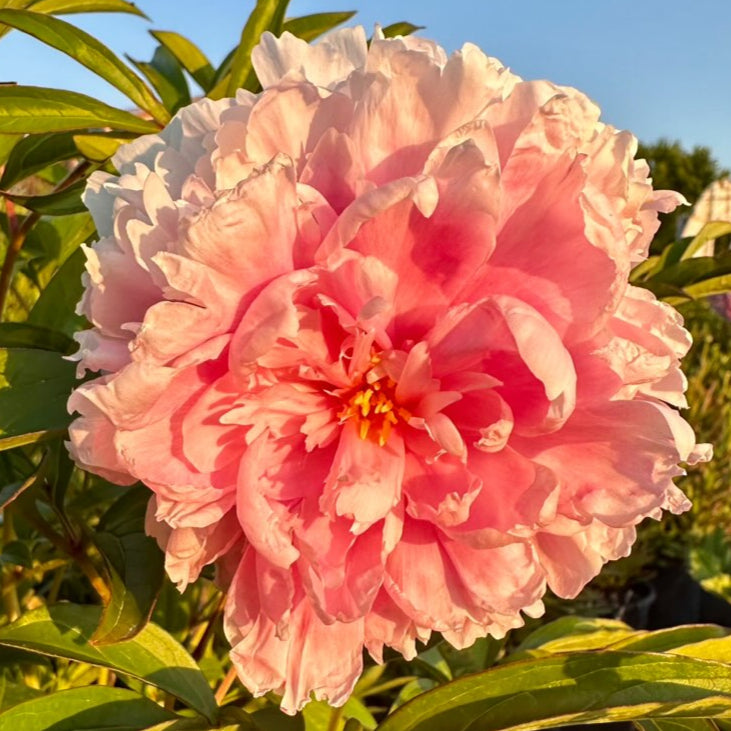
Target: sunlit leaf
{"points": [[571, 688], [153, 655], [34, 109], [98, 148], [188, 55], [91, 708], [309, 27], [267, 15], [67, 7], [89, 52], [403, 28]]}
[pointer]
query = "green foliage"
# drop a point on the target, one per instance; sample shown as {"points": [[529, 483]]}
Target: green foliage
{"points": [[689, 173], [92, 636]]}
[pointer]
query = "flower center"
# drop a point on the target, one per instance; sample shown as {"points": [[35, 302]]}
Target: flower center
{"points": [[373, 406]]}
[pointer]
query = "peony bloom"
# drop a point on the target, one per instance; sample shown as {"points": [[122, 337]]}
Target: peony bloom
{"points": [[368, 338]]}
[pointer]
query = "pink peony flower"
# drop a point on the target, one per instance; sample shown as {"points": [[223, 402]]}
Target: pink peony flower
{"points": [[368, 337]]}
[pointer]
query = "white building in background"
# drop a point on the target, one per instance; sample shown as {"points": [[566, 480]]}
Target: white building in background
{"points": [[713, 205]]}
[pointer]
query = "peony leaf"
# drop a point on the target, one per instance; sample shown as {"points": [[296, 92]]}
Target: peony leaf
{"points": [[134, 565], [67, 7], [309, 27], [678, 724], [166, 75], [27, 335], [35, 152], [402, 28], [94, 707], [674, 638], [55, 308], [34, 109], [61, 203], [153, 656], [188, 55], [34, 388], [573, 688], [711, 231], [267, 15], [98, 148], [89, 52]]}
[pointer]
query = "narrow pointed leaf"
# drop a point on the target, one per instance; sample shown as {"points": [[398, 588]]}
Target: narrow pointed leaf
{"points": [[27, 335], [89, 52], [267, 15], [166, 75], [188, 55], [67, 7], [402, 28], [309, 27], [92, 708], [709, 232], [34, 109], [98, 148], [220, 77], [708, 287], [23, 440], [134, 564], [35, 152], [153, 656], [569, 689], [61, 203]]}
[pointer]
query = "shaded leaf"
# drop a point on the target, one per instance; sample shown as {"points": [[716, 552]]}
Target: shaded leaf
{"points": [[27, 335], [89, 52], [35, 152], [34, 388], [61, 203], [166, 75], [8, 493], [23, 440], [309, 27], [135, 566], [572, 688], [188, 55], [55, 308], [34, 109], [403, 28], [94, 707], [153, 655]]}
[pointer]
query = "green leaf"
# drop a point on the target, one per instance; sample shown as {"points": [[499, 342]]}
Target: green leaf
{"points": [[188, 55], [89, 52], [34, 388], [135, 566], [666, 640], [309, 27], [67, 7], [402, 28], [26, 335], [267, 15], [98, 148], [34, 109], [7, 143], [35, 152], [61, 203], [8, 493], [678, 724], [575, 633], [708, 287], [709, 232], [153, 656], [572, 688], [55, 307], [24, 440], [166, 75], [94, 707]]}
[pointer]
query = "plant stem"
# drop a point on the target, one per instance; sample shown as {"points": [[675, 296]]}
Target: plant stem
{"points": [[226, 684]]}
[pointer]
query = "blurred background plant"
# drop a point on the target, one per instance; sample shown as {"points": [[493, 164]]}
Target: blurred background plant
{"points": [[79, 579]]}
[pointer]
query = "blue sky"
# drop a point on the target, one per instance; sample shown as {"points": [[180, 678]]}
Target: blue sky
{"points": [[656, 67]]}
